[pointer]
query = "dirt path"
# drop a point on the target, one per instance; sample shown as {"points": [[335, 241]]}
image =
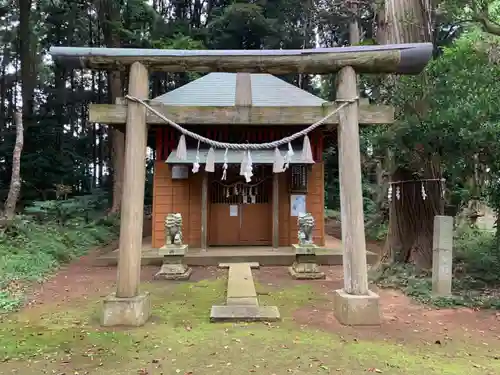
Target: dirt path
{"points": [[179, 336], [403, 320]]}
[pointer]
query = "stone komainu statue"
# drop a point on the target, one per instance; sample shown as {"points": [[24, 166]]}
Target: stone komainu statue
{"points": [[305, 223], [173, 229]]}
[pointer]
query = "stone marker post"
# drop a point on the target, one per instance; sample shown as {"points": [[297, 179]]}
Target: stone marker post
{"points": [[442, 255]]}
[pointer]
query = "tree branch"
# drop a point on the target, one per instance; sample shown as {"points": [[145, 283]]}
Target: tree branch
{"points": [[488, 25]]}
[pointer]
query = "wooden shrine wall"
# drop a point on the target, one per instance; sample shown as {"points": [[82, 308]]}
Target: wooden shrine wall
{"points": [[184, 196], [315, 204]]}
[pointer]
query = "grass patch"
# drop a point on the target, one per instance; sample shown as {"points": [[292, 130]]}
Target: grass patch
{"points": [[287, 300], [31, 247], [180, 339]]}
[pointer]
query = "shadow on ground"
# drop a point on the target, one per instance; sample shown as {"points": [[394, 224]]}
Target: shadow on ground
{"points": [[58, 332]]}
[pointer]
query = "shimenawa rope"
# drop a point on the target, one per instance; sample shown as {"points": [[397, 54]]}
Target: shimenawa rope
{"points": [[280, 163], [244, 146]]}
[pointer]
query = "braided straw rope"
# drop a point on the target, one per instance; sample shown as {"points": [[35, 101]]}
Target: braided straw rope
{"points": [[244, 146]]}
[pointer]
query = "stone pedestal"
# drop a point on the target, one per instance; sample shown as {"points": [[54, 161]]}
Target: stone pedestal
{"points": [[131, 312], [356, 310], [173, 267], [305, 266]]}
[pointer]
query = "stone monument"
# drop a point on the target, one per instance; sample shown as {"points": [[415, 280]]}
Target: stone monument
{"points": [[173, 251], [305, 266], [442, 258]]}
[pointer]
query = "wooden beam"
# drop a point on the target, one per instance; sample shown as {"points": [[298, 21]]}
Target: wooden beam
{"points": [[132, 211], [396, 58], [276, 213], [204, 211], [351, 197], [199, 115]]}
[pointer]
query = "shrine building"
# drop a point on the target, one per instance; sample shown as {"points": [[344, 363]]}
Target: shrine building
{"points": [[238, 108], [239, 156], [238, 212]]}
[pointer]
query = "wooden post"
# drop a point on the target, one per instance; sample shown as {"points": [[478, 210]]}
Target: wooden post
{"points": [[204, 211], [351, 198], [276, 230], [132, 211]]}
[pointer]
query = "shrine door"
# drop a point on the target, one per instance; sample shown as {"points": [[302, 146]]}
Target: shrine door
{"points": [[240, 213]]}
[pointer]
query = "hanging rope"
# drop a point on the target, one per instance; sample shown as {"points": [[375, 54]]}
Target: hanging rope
{"points": [[244, 146], [239, 183]]}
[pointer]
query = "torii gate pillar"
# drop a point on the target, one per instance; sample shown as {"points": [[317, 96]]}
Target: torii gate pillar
{"points": [[128, 307], [355, 304]]}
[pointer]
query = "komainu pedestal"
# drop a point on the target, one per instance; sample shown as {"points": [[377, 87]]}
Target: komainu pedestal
{"points": [[305, 266], [173, 251]]}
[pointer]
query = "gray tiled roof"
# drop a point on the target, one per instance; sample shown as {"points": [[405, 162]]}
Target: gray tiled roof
{"points": [[219, 89]]}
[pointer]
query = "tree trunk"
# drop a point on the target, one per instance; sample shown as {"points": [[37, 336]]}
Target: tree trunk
{"points": [[27, 58], [404, 21], [15, 181], [117, 147], [411, 216], [109, 13]]}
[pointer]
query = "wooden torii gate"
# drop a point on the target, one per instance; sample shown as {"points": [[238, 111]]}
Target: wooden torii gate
{"points": [[355, 303]]}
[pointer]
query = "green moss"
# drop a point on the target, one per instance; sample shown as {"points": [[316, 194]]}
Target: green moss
{"points": [[187, 303], [180, 337]]}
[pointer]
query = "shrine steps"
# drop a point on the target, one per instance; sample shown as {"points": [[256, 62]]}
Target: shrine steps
{"points": [[265, 256]]}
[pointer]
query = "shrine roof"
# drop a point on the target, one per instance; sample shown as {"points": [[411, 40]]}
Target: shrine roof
{"points": [[221, 90]]}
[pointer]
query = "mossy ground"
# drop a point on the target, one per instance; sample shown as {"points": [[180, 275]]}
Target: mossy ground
{"points": [[65, 338]]}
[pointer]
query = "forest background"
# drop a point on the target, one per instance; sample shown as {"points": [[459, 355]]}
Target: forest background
{"points": [[61, 176]]}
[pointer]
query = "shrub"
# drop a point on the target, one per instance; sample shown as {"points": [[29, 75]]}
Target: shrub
{"points": [[54, 233], [477, 256], [476, 278]]}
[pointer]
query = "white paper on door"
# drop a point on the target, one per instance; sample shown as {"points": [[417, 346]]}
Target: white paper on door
{"points": [[297, 204]]}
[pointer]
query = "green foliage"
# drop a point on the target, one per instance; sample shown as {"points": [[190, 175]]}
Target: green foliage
{"points": [[476, 280], [456, 117], [477, 256], [61, 211], [376, 231], [449, 115], [470, 13], [332, 191], [30, 248], [241, 26], [376, 227], [332, 214]]}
